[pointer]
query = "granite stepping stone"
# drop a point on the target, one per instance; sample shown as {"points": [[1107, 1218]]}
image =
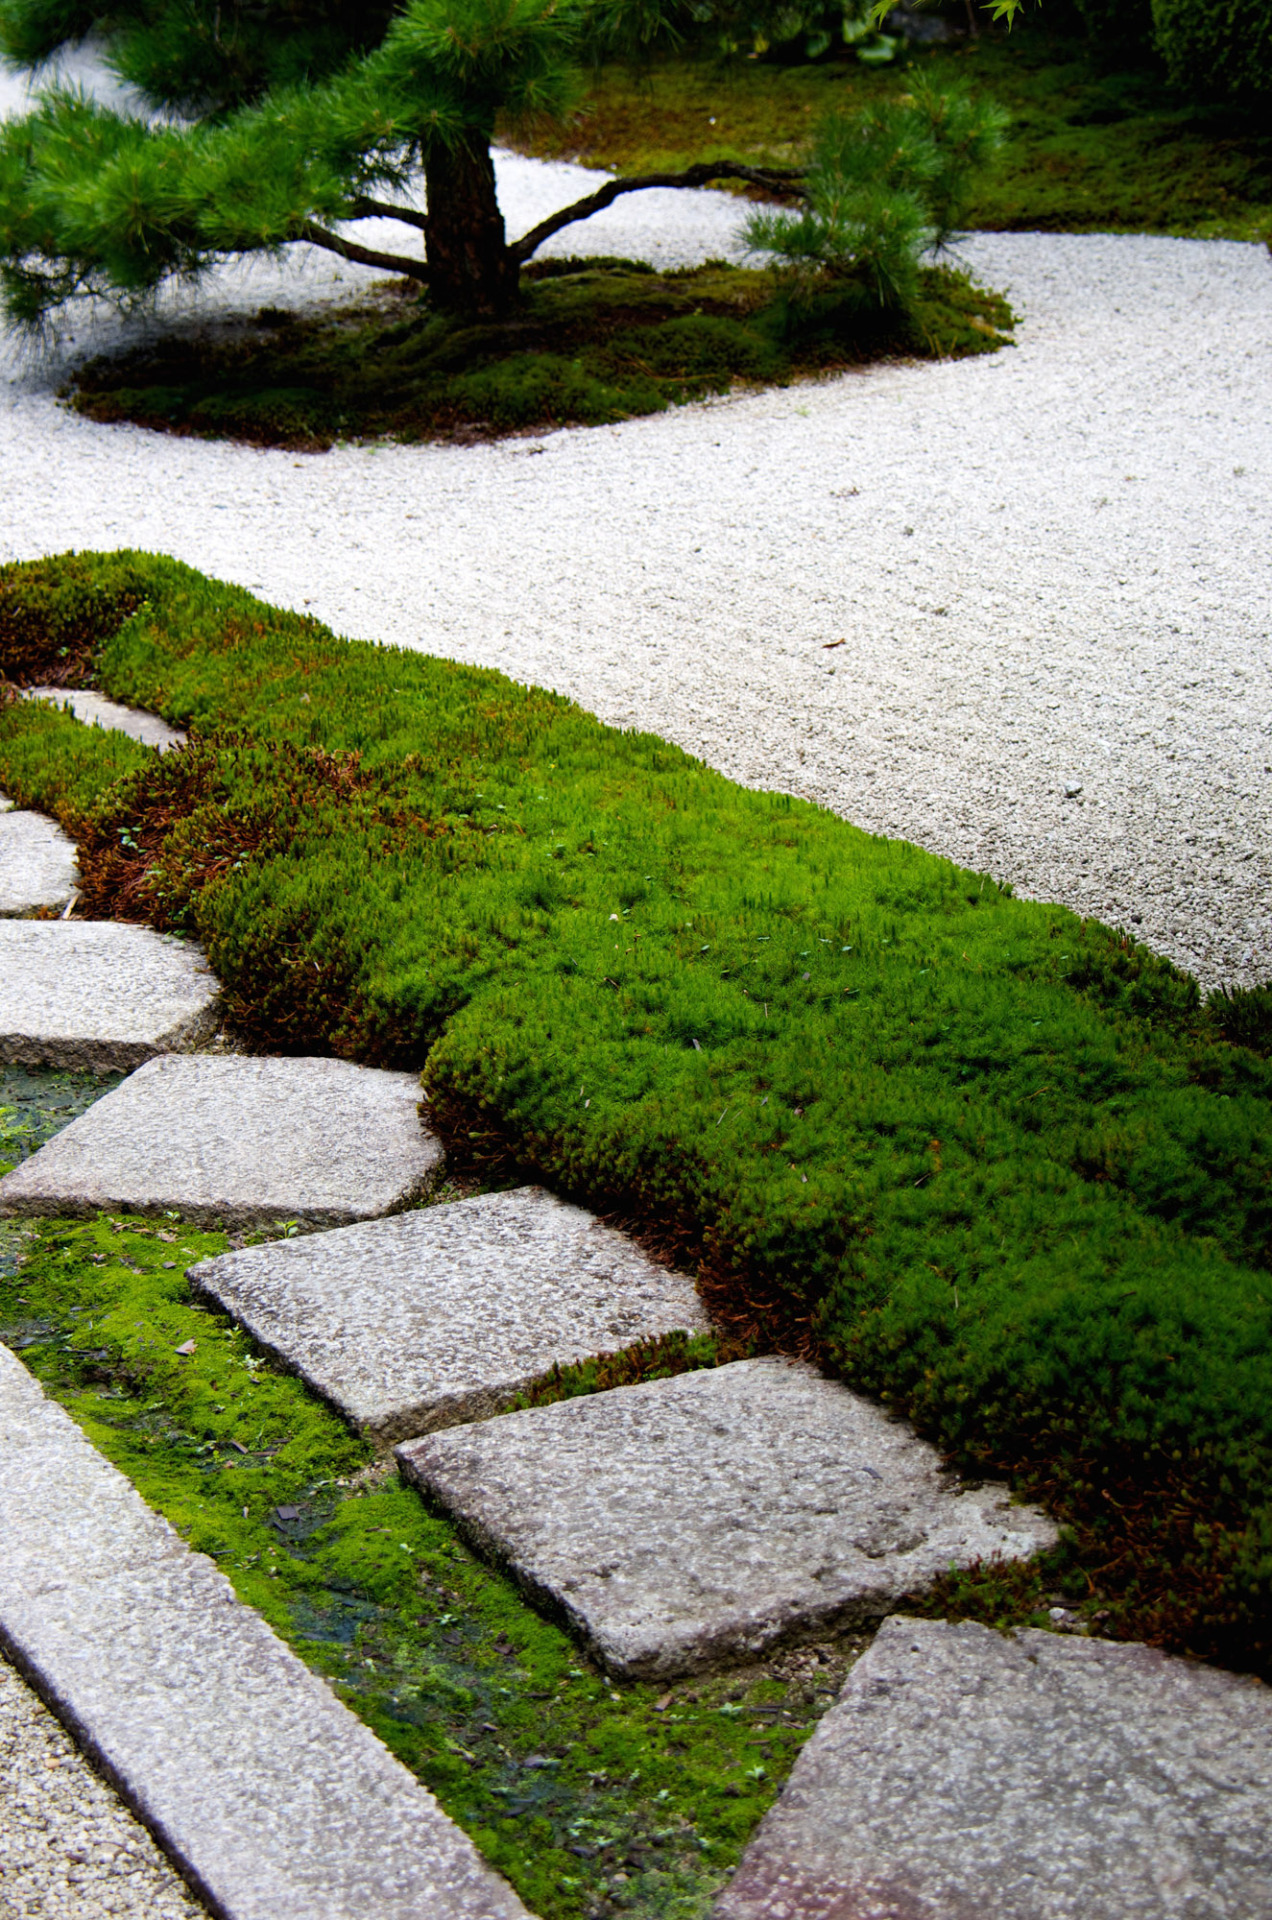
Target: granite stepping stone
{"points": [[272, 1799], [446, 1314], [685, 1522], [240, 1141], [95, 710], [1030, 1776], [37, 863], [99, 996]]}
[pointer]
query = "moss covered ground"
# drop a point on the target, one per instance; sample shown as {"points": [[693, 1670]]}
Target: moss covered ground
{"points": [[1090, 148], [996, 1164], [36, 1104], [595, 341], [593, 1798]]}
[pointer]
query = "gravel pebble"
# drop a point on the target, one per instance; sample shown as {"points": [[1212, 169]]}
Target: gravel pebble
{"points": [[69, 1848], [1014, 608]]}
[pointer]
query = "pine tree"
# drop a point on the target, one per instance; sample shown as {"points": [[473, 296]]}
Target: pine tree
{"points": [[275, 121], [201, 56], [296, 127]]}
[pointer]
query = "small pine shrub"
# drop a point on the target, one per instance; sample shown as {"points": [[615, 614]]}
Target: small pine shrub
{"points": [[884, 186]]}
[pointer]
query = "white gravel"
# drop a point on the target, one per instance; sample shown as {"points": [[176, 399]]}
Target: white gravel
{"points": [[1049, 568], [69, 1849]]}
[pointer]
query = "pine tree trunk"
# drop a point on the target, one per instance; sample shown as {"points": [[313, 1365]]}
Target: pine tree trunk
{"points": [[470, 270]]}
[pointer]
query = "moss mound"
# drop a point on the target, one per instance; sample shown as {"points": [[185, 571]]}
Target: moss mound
{"points": [[997, 1164], [596, 341]]}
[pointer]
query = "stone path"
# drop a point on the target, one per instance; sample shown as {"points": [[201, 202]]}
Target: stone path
{"points": [[687, 1522], [446, 1315], [275, 1800], [970, 1775], [37, 863], [239, 1141], [95, 710], [678, 1524], [97, 997]]}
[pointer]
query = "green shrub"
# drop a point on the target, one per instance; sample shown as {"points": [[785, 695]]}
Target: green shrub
{"points": [[884, 185], [1216, 47], [996, 1163]]}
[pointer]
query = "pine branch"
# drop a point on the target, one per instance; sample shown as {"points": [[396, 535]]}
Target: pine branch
{"points": [[365, 256], [701, 175], [362, 207]]}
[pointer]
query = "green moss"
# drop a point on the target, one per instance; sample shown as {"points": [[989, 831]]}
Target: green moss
{"points": [[994, 1163], [595, 342], [1089, 149], [592, 1798], [51, 624], [36, 1104]]}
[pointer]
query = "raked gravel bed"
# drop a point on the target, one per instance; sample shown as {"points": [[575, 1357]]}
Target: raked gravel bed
{"points": [[1049, 568], [69, 1848]]}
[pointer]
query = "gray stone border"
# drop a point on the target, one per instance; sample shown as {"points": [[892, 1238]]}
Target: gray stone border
{"points": [[272, 1799]]}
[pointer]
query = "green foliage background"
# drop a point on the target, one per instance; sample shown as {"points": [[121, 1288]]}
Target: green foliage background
{"points": [[997, 1164], [1217, 47]]}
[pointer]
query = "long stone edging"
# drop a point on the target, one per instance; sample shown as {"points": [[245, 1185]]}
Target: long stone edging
{"points": [[268, 1794]]}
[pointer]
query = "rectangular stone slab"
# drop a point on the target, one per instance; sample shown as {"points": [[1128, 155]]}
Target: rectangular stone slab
{"points": [[268, 1794], [448, 1313], [37, 864], [95, 710], [99, 997], [965, 1774], [78, 1524], [243, 1141], [690, 1521]]}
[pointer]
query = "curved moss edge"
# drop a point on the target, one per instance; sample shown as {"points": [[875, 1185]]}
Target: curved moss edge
{"points": [[594, 342], [995, 1164]]}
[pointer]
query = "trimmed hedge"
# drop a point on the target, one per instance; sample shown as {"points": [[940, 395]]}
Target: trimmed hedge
{"points": [[996, 1163]]}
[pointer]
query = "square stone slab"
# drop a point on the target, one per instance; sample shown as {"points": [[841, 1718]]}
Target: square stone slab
{"points": [[98, 996], [965, 1774], [95, 710], [447, 1314], [220, 1137], [37, 864], [690, 1521]]}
